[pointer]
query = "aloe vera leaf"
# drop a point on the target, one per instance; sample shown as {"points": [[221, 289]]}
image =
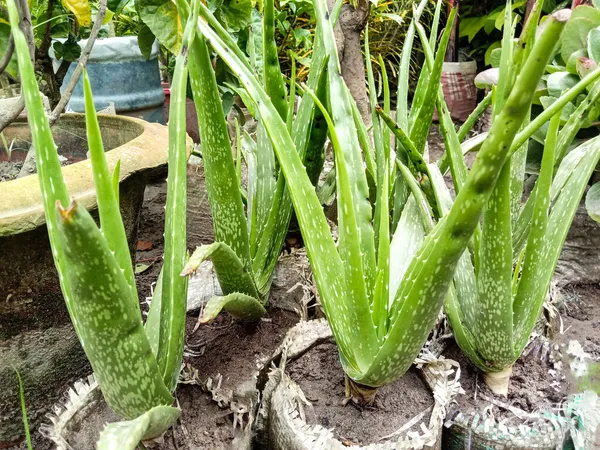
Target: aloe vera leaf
{"points": [[127, 435], [415, 190], [315, 151], [306, 140], [348, 243], [555, 107], [272, 78], [231, 272], [341, 109], [229, 221], [435, 23], [265, 181], [565, 137], [559, 222], [426, 282], [52, 185], [326, 263], [381, 292], [174, 287], [292, 96], [406, 241], [115, 179], [468, 125], [420, 120], [238, 152], [240, 306], [507, 69], [110, 324], [152, 325], [494, 277], [592, 202], [381, 161], [404, 68], [111, 222], [386, 108], [365, 141]]}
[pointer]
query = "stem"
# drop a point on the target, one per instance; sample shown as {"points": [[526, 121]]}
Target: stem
{"points": [[10, 48], [498, 381], [359, 394]]}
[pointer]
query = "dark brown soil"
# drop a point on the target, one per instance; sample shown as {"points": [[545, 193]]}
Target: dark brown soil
{"points": [[232, 350], [319, 374], [542, 382]]}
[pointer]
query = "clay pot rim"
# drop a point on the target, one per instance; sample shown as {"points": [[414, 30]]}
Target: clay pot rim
{"points": [[21, 207]]}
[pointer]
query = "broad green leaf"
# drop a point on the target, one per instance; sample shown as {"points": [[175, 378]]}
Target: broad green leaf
{"points": [[576, 33], [116, 6], [127, 435], [146, 40], [593, 44], [592, 202], [241, 307], [574, 59], [559, 82], [585, 66], [81, 9], [163, 20]]}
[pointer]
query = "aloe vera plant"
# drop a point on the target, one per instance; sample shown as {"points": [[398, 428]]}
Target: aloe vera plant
{"points": [[381, 295], [136, 367], [500, 288], [248, 240]]}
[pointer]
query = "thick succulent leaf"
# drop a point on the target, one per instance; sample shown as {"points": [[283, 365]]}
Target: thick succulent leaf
{"points": [[341, 109], [174, 287], [127, 435], [231, 272], [494, 277], [322, 251], [559, 222], [240, 306], [163, 20], [422, 113], [229, 221], [272, 76], [404, 68], [468, 125], [152, 325], [592, 202], [428, 278], [111, 222], [407, 240], [110, 324], [265, 181]]}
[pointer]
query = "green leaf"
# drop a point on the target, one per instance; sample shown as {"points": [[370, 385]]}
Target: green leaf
{"points": [[576, 33], [108, 318], [68, 50], [146, 40], [235, 14], [24, 412], [116, 6], [492, 54], [241, 307], [174, 287], [127, 435], [559, 82], [163, 20], [229, 220], [593, 44], [11, 69], [231, 273], [592, 202]]}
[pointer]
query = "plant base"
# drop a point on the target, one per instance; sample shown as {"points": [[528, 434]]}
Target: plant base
{"points": [[498, 381], [359, 394]]}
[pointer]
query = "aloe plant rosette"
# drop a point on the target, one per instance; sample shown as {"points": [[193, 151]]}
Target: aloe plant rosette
{"points": [[499, 290], [136, 367], [379, 332], [248, 237]]}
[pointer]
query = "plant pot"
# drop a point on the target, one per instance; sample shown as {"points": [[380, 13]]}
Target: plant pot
{"points": [[282, 422], [36, 335], [119, 74], [572, 429], [458, 84]]}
